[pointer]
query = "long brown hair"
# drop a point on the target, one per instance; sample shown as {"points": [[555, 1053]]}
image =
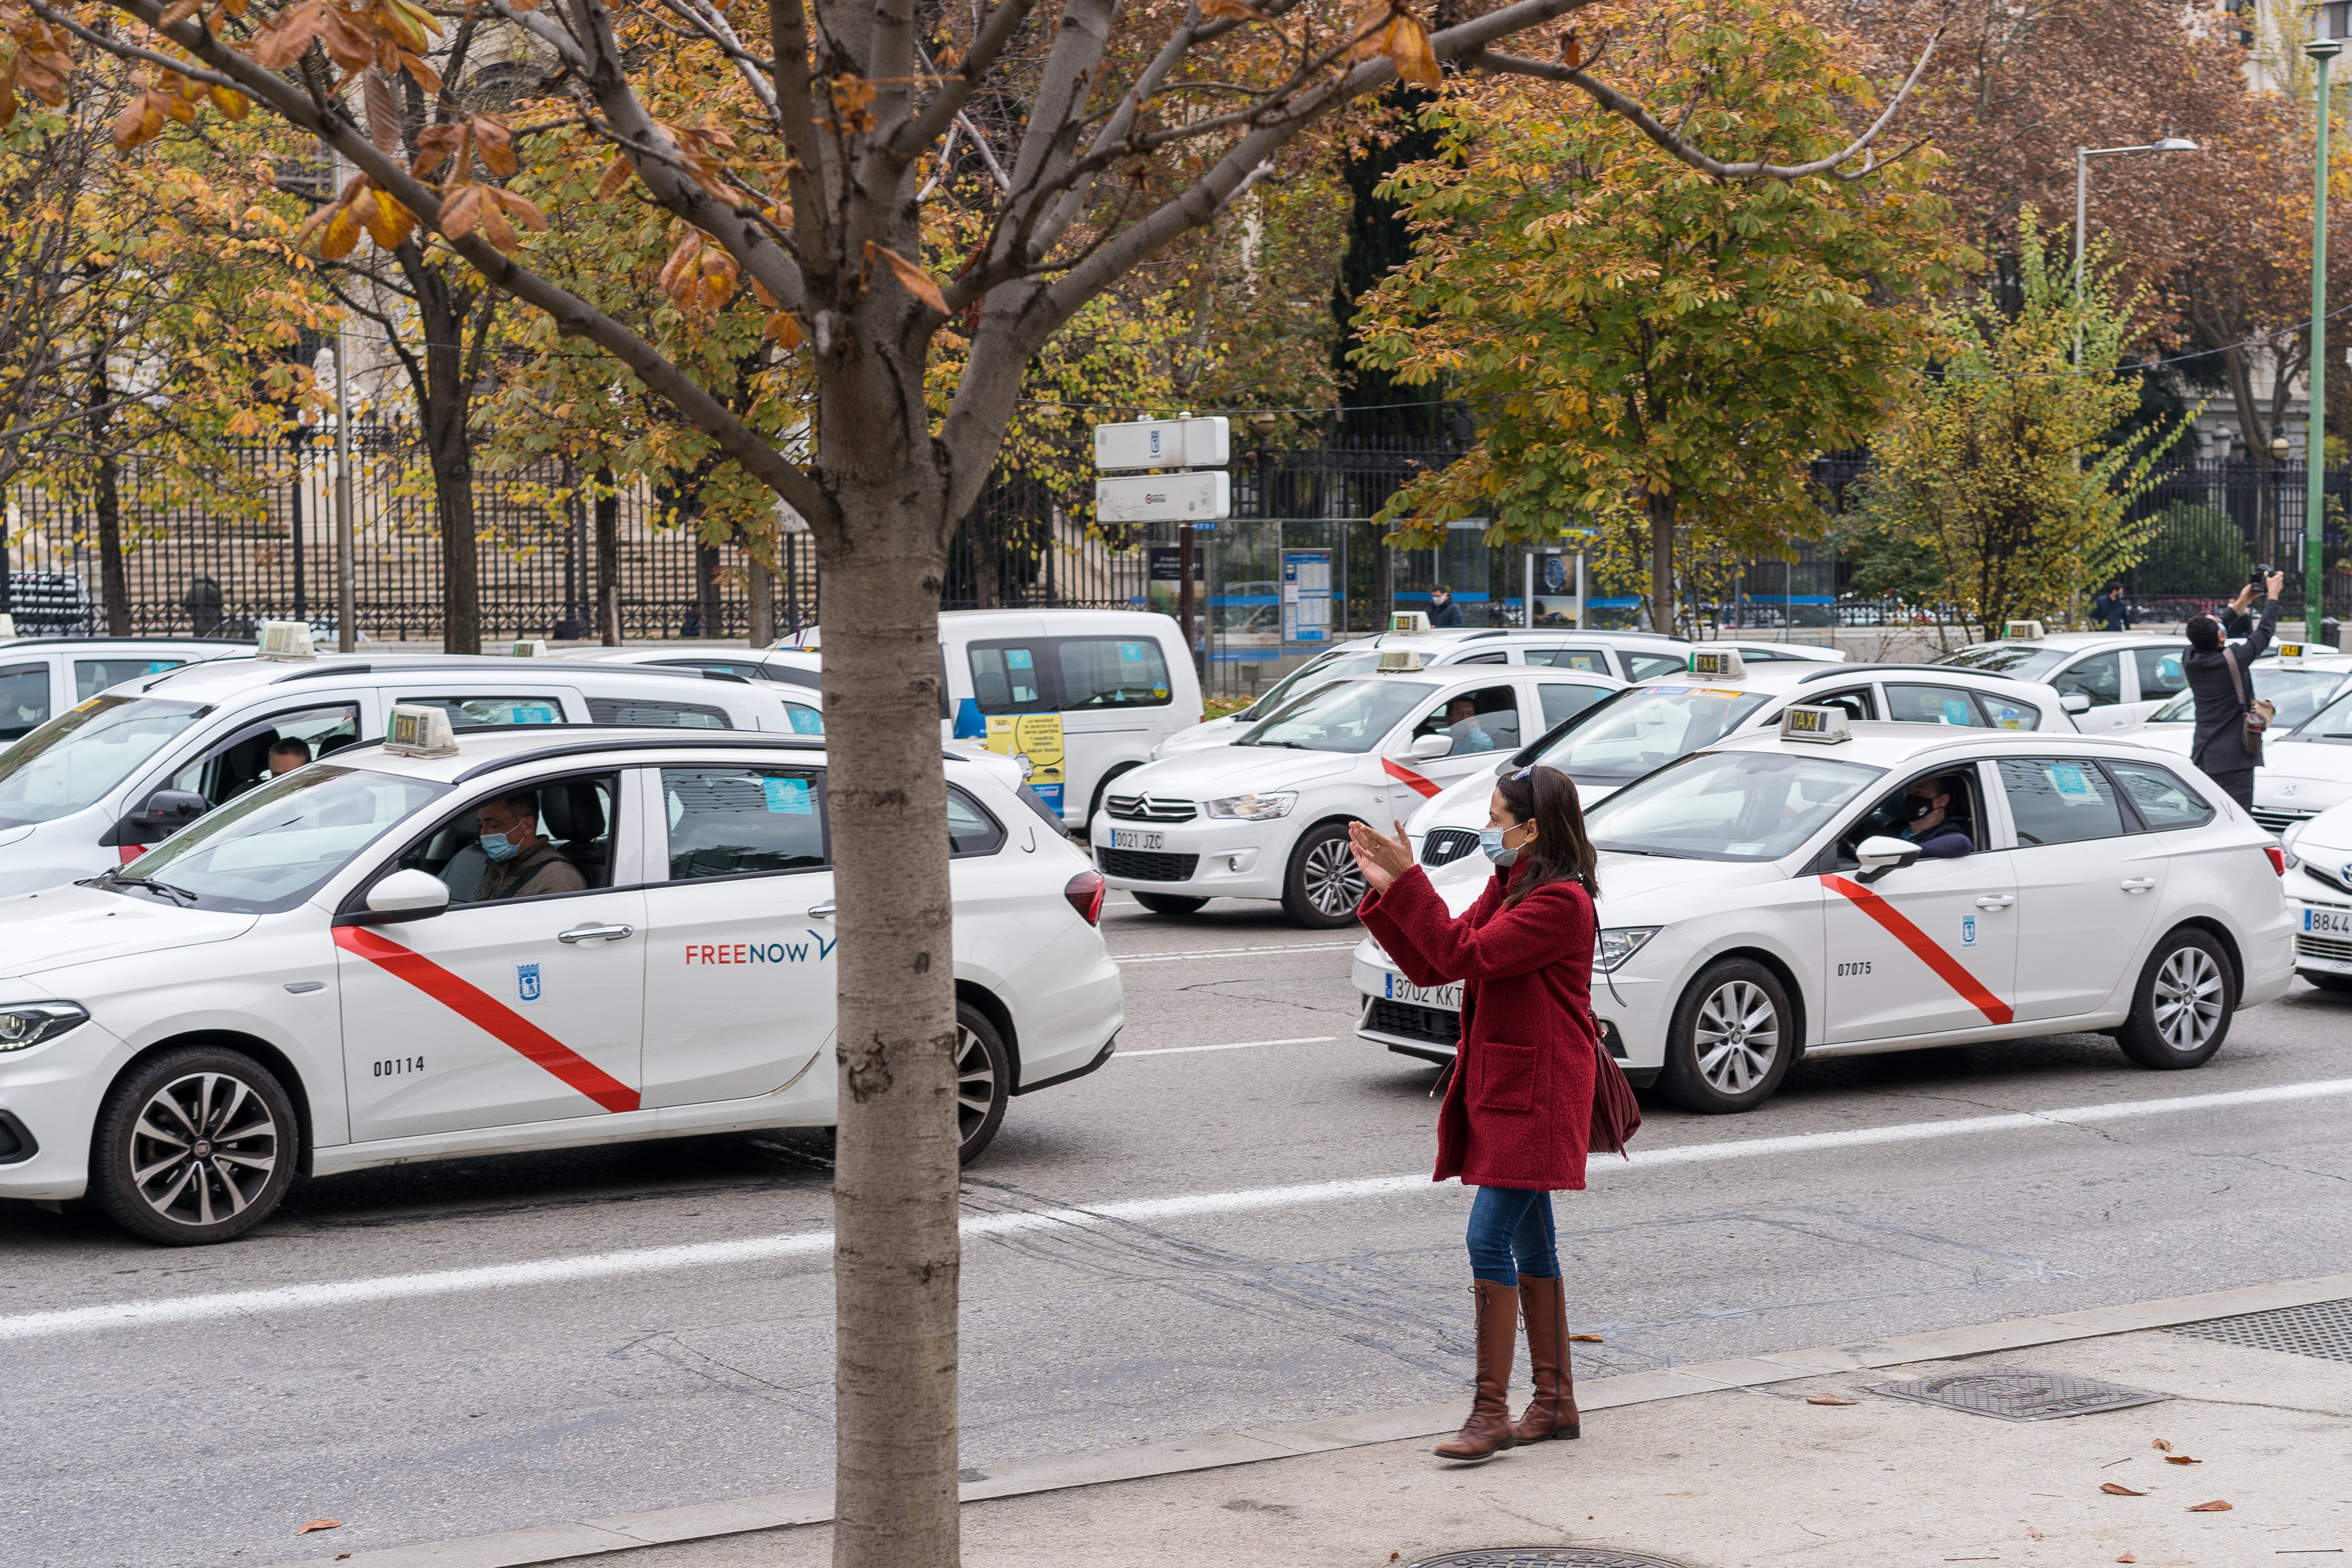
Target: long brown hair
{"points": [[1547, 797]]}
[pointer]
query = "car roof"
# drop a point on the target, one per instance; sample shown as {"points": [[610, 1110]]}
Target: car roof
{"points": [[2075, 642], [100, 645], [482, 751], [218, 679], [1783, 674], [1888, 745]]}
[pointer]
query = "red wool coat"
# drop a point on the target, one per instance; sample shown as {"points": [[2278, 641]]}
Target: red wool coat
{"points": [[1518, 1108]]}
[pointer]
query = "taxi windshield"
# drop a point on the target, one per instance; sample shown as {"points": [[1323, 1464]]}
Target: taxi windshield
{"points": [[1314, 672], [1647, 728], [2333, 723], [1729, 805], [276, 846], [2026, 661], [1351, 717], [73, 760], [2298, 692]]}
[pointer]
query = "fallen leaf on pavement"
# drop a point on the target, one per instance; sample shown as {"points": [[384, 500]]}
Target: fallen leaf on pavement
{"points": [[1588, 1339], [2112, 1488], [2031, 1533], [319, 1524], [2128, 1557], [2160, 1443], [1828, 1399], [2216, 1506], [2181, 1459]]}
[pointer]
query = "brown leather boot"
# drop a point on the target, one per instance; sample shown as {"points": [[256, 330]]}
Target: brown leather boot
{"points": [[1552, 1412], [1488, 1430]]}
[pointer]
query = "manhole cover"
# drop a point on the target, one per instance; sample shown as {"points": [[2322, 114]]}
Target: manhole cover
{"points": [[1543, 1557], [2322, 1328], [2013, 1394]]}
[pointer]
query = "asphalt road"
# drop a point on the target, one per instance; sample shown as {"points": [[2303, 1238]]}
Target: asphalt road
{"points": [[418, 1416]]}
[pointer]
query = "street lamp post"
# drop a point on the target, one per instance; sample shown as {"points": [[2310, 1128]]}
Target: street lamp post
{"points": [[2322, 51], [2083, 156]]}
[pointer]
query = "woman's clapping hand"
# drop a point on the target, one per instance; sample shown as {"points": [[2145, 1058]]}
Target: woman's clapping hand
{"points": [[1382, 860]]}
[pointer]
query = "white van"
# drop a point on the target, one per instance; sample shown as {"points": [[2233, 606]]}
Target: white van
{"points": [[90, 789], [1077, 697], [40, 678]]}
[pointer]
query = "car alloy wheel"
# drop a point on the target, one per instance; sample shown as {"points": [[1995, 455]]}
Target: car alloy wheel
{"points": [[1738, 1035], [203, 1150], [984, 1081], [2182, 1006], [1325, 884], [2190, 997]]}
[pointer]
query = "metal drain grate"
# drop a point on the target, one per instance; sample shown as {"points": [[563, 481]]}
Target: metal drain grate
{"points": [[2322, 1328], [1543, 1557], [2013, 1394]]}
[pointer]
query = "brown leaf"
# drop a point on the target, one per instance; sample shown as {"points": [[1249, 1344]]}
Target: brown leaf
{"points": [[461, 211], [2128, 1557], [616, 174], [424, 75], [1229, 11], [321, 1524], [1408, 48], [1829, 1399], [1571, 49], [2181, 1459], [765, 295], [2216, 1506], [178, 11], [281, 40], [2160, 1443], [521, 209], [2031, 1533], [718, 272], [497, 230], [140, 121], [434, 145], [784, 328], [2114, 1489], [681, 257], [911, 278], [1587, 1338], [383, 111], [347, 45], [495, 142]]}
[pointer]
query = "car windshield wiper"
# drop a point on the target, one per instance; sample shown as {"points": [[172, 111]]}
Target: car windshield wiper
{"points": [[1291, 744], [152, 885]]}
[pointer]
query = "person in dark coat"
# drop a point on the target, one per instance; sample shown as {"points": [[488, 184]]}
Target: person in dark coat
{"points": [[2220, 747], [1519, 1099], [2109, 610], [1442, 610]]}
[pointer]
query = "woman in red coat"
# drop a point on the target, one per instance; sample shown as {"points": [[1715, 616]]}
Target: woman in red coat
{"points": [[1519, 1104]]}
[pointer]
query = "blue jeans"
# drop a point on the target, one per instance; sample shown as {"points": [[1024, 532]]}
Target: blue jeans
{"points": [[1508, 1225]]}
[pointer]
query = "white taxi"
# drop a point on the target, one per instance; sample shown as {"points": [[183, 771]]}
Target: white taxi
{"points": [[319, 977], [2123, 677], [43, 677], [1612, 743], [1757, 906], [1266, 818], [2318, 852]]}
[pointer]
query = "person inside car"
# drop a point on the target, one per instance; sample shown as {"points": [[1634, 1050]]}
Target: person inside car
{"points": [[288, 754], [1461, 719], [521, 864], [1925, 818]]}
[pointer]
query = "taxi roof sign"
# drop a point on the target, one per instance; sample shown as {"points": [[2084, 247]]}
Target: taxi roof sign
{"points": [[285, 639], [416, 731], [2023, 631], [1412, 623], [1399, 659], [1821, 726], [7, 625], [528, 649], [2293, 652], [1724, 663]]}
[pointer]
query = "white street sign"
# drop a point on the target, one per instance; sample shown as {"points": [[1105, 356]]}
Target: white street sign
{"points": [[1164, 444], [1164, 498]]}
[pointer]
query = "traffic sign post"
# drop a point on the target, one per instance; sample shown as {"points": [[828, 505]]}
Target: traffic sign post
{"points": [[1172, 494]]}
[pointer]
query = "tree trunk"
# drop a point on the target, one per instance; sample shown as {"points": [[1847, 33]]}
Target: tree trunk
{"points": [[760, 597], [1661, 508], [706, 591], [114, 583], [897, 1252], [452, 456], [608, 558]]}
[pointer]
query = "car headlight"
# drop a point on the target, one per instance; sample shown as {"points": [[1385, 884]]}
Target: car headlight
{"points": [[2286, 844], [1256, 807], [26, 1023], [1612, 947]]}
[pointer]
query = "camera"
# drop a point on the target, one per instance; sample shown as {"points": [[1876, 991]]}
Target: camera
{"points": [[2261, 576]]}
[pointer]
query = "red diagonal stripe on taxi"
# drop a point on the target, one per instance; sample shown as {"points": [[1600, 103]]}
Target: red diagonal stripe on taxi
{"points": [[489, 1015], [1413, 781], [1921, 943]]}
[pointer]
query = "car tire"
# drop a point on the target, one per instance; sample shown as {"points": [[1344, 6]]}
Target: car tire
{"points": [[1714, 1065], [1324, 884], [2183, 1003], [233, 1127], [2326, 982], [1170, 904], [983, 1081]]}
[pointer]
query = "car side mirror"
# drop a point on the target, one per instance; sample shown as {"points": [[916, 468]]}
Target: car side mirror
{"points": [[1880, 854], [169, 810], [404, 896], [1425, 747], [2075, 702]]}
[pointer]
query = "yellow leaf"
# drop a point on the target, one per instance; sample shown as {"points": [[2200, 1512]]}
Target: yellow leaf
{"points": [[341, 235], [233, 105], [911, 278], [1231, 11], [1408, 46]]}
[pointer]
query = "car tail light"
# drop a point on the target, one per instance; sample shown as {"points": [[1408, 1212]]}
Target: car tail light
{"points": [[1086, 893], [2277, 855]]}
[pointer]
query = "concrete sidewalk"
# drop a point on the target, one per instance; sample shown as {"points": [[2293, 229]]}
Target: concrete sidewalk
{"points": [[1717, 1467]]}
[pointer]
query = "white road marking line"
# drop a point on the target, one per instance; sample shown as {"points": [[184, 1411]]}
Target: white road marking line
{"points": [[1235, 1046], [1230, 951], [1179, 1205]]}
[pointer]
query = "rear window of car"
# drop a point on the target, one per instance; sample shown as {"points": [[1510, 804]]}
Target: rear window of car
{"points": [[740, 821], [492, 713], [92, 676], [664, 715]]}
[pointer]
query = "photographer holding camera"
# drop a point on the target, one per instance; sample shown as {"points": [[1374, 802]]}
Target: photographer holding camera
{"points": [[2230, 718]]}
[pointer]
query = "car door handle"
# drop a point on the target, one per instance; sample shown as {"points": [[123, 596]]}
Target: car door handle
{"points": [[823, 911], [2137, 884], [596, 934], [1996, 901]]}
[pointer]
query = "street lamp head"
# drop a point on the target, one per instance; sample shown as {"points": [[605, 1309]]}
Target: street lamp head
{"points": [[2324, 49], [2173, 144], [1264, 423], [2280, 448]]}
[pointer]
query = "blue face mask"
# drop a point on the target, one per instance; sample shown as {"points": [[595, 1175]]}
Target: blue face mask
{"points": [[498, 847], [1490, 843]]}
